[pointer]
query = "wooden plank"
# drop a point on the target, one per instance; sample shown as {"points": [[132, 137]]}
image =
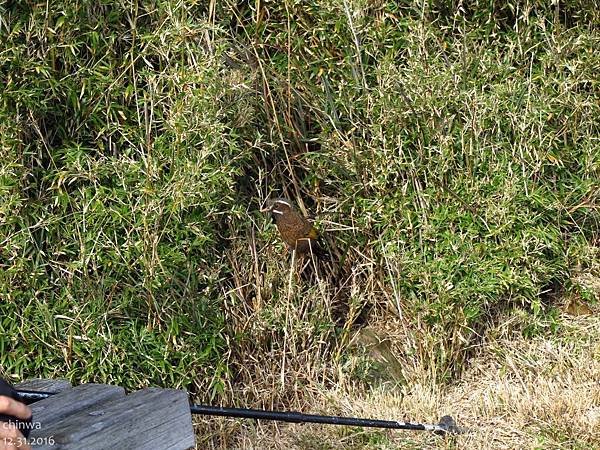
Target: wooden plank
{"points": [[148, 419], [44, 385], [59, 407]]}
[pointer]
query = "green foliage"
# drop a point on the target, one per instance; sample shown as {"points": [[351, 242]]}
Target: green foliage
{"points": [[457, 147]]}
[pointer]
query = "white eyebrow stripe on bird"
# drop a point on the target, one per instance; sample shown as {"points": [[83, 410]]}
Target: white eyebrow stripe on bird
{"points": [[284, 202]]}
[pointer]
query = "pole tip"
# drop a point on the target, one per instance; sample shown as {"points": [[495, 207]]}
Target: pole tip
{"points": [[448, 425]]}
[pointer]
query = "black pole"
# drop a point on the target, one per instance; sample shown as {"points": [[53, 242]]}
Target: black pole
{"points": [[446, 425], [296, 417], [29, 397]]}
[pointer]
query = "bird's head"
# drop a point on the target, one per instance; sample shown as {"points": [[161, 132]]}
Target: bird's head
{"points": [[278, 207]]}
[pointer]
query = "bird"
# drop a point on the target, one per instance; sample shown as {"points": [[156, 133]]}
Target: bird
{"points": [[296, 230]]}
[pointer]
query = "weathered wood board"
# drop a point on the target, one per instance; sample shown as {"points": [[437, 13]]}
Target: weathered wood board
{"points": [[94, 417]]}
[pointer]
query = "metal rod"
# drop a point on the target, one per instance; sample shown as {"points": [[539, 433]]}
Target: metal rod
{"points": [[296, 417], [446, 425], [29, 397]]}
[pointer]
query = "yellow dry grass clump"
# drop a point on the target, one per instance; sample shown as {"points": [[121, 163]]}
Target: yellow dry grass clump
{"points": [[517, 393]]}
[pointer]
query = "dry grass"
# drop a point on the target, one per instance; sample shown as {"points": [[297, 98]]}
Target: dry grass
{"points": [[518, 392]]}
